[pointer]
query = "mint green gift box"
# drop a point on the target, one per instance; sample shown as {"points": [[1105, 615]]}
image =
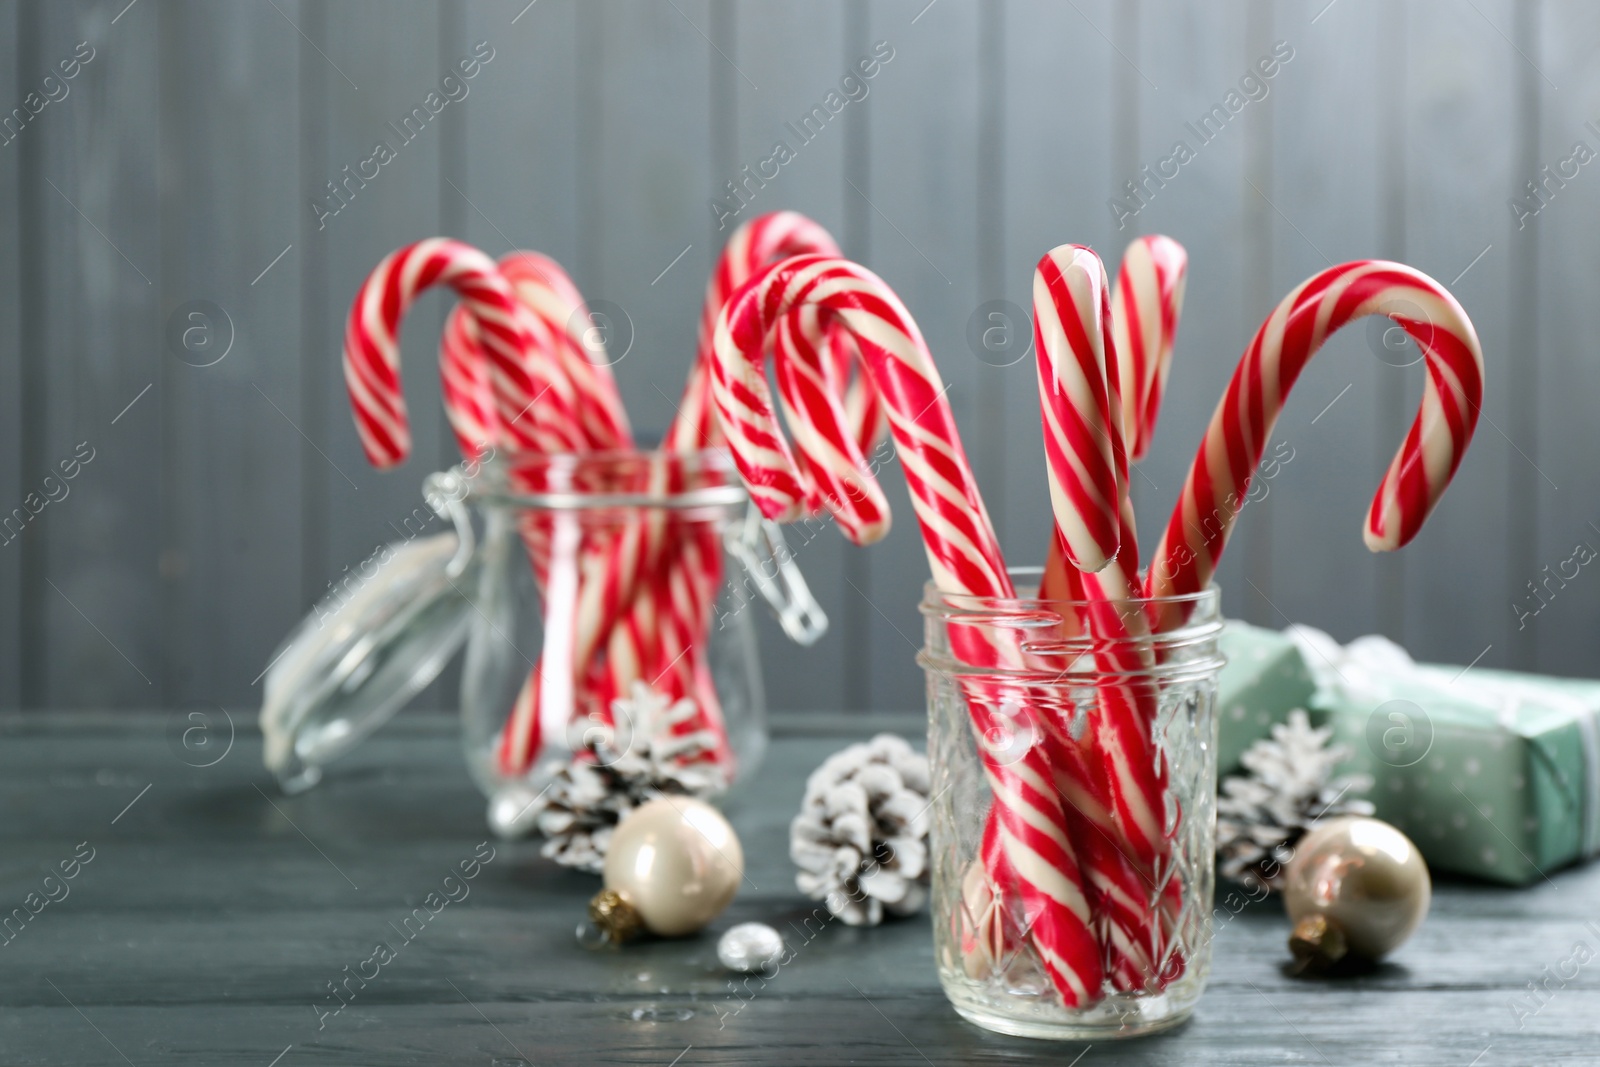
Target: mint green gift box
{"points": [[1265, 678], [1493, 774]]}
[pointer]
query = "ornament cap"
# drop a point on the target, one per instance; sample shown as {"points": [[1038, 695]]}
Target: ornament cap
{"points": [[1318, 943], [617, 919]]}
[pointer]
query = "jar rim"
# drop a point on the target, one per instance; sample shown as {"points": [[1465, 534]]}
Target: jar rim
{"points": [[936, 603], [601, 480], [1188, 649]]}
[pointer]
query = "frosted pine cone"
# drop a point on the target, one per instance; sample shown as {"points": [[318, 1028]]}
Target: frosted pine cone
{"points": [[1262, 815], [861, 838], [617, 768]]}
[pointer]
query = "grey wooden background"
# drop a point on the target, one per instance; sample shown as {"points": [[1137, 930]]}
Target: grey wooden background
{"points": [[221, 503]]}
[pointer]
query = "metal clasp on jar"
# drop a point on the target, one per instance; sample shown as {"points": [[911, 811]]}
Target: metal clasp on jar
{"points": [[446, 493], [758, 545]]}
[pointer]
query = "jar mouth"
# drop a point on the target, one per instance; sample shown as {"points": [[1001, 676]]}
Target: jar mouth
{"points": [[606, 480], [1045, 649], [937, 604]]}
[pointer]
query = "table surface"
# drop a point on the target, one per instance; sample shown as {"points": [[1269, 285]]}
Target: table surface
{"points": [[215, 911]]}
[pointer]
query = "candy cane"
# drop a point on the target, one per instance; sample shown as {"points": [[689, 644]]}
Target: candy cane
{"points": [[760, 241], [575, 408], [827, 449], [1117, 771], [1144, 320], [544, 288], [492, 374], [508, 336], [1219, 478], [464, 386], [1143, 317], [622, 612], [610, 565], [753, 245], [1145, 307], [1078, 388], [599, 422], [1082, 435], [499, 384], [816, 351], [962, 550]]}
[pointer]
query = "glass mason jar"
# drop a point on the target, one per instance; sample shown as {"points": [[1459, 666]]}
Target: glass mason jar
{"points": [[1133, 955], [612, 605]]}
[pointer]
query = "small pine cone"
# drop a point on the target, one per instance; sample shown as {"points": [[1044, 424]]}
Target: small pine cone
{"points": [[616, 769], [1289, 788], [860, 838]]}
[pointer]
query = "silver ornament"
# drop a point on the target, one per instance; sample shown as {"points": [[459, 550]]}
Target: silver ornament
{"points": [[1355, 886], [513, 811], [750, 947]]}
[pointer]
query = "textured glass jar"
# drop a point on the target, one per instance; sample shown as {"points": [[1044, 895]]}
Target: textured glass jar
{"points": [[1044, 712], [669, 537]]}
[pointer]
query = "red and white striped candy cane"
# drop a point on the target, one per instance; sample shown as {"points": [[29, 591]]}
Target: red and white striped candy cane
{"points": [[633, 635], [1219, 478], [464, 386], [643, 639], [597, 422], [1082, 434], [827, 450], [571, 410], [544, 288], [1145, 306], [1114, 776], [962, 550], [500, 384], [758, 243], [513, 373], [508, 337], [752, 246], [817, 351], [1078, 388], [668, 639]]}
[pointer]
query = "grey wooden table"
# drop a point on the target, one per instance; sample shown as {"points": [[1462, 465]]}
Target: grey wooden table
{"points": [[214, 912]]}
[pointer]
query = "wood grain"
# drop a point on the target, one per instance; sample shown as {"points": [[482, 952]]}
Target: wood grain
{"points": [[215, 911], [11, 377]]}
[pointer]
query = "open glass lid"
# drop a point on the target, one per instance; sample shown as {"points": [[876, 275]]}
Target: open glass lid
{"points": [[376, 641]]}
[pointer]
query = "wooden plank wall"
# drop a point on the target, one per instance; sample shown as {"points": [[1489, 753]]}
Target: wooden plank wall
{"points": [[182, 165]]}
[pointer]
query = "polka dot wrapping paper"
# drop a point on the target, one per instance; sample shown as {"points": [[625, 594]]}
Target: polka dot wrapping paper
{"points": [[1266, 677], [1493, 774]]}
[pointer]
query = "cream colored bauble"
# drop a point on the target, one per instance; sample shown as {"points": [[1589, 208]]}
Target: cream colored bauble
{"points": [[672, 866], [1355, 885]]}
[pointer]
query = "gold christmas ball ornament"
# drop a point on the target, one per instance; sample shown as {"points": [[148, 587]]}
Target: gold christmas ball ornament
{"points": [[673, 864], [1355, 887]]}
